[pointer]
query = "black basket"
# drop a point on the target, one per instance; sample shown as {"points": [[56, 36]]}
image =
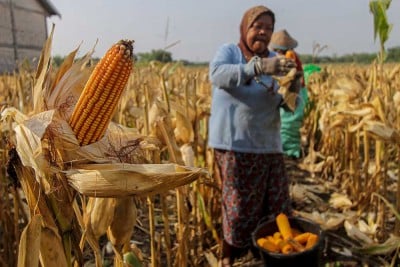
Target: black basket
{"points": [[308, 258]]}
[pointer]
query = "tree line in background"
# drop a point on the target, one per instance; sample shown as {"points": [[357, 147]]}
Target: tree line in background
{"points": [[393, 55]]}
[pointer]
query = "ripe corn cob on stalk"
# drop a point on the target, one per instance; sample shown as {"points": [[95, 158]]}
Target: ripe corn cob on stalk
{"points": [[99, 99]]}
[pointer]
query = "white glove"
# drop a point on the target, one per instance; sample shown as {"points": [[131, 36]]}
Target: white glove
{"points": [[273, 65]]}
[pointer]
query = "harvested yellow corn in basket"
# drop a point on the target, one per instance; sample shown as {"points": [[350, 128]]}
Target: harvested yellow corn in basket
{"points": [[102, 92], [287, 240]]}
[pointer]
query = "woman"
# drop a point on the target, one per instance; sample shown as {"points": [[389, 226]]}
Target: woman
{"points": [[283, 44], [244, 131]]}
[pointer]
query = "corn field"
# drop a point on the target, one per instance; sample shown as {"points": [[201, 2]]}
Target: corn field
{"points": [[60, 210]]}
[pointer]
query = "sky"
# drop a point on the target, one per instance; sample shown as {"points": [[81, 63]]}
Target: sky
{"points": [[194, 29]]}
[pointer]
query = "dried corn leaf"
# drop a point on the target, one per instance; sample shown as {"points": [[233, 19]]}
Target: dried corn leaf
{"points": [[327, 220], [396, 100], [355, 233], [359, 111], [65, 66], [211, 259], [356, 127], [313, 167], [380, 130], [340, 96], [29, 146], [52, 249], [346, 89], [157, 110], [340, 201], [367, 228], [302, 192], [379, 107], [117, 180], [13, 114], [42, 75], [28, 251]]}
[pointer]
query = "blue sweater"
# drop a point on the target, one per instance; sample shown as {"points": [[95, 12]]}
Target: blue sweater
{"points": [[244, 113]]}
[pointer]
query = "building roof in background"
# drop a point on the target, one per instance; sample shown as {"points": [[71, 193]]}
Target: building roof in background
{"points": [[49, 7]]}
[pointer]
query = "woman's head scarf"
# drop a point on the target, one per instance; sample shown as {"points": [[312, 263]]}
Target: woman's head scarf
{"points": [[248, 19]]}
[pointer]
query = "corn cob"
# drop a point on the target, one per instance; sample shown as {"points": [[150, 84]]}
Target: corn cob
{"points": [[287, 248], [283, 224], [311, 241], [296, 245], [273, 240], [267, 245], [296, 232], [302, 238], [102, 92], [290, 54], [282, 221], [277, 235]]}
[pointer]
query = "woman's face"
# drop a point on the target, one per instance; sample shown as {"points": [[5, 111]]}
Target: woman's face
{"points": [[259, 34]]}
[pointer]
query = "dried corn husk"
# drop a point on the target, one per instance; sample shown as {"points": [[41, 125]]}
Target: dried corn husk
{"points": [[346, 89], [289, 98], [119, 179], [124, 219], [304, 193], [183, 131], [31, 130], [327, 220], [187, 155], [100, 214], [340, 201]]}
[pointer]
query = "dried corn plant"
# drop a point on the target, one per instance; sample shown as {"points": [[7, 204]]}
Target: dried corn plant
{"points": [[175, 104], [353, 133], [65, 142]]}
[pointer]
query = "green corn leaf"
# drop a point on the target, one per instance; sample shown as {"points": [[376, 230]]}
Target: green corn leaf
{"points": [[390, 206], [382, 27], [380, 249], [131, 260], [206, 216]]}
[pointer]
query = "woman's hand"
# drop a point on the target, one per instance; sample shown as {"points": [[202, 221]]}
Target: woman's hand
{"points": [[273, 65]]}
